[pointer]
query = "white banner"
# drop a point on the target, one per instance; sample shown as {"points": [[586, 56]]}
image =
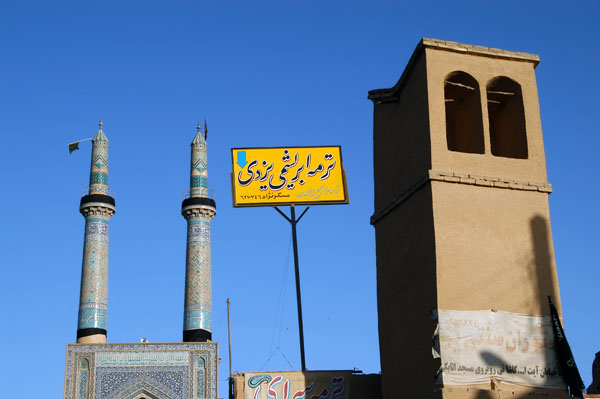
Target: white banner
{"points": [[477, 346]]}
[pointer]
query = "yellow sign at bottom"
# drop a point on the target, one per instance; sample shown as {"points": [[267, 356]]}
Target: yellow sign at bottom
{"points": [[288, 175]]}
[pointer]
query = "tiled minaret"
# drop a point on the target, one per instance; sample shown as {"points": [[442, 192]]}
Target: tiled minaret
{"points": [[198, 210], [97, 207]]}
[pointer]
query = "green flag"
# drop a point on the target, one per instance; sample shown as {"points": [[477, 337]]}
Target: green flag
{"points": [[73, 146]]}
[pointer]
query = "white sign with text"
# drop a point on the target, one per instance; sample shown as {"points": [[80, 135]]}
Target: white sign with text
{"points": [[478, 346]]}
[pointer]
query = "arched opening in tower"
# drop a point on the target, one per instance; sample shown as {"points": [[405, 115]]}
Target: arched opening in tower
{"points": [[506, 115], [464, 122]]}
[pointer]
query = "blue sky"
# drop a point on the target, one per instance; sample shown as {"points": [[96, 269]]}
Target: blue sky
{"points": [[263, 73]]}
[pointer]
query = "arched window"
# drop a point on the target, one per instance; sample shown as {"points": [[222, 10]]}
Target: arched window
{"points": [[464, 122], [506, 115]]}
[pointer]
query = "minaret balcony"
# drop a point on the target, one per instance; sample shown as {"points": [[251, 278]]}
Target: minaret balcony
{"points": [[209, 194], [191, 206], [98, 200], [109, 192]]}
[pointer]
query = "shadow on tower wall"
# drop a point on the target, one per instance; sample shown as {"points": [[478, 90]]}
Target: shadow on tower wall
{"points": [[542, 277], [544, 272]]}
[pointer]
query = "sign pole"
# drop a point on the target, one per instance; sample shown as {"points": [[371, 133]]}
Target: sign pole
{"points": [[278, 176], [298, 297], [231, 395], [293, 221], [229, 335]]}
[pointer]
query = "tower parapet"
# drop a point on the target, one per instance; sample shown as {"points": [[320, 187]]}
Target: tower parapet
{"points": [[97, 207], [198, 210]]}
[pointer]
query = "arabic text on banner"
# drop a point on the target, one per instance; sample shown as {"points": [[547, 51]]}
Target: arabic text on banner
{"points": [[481, 345], [297, 385]]}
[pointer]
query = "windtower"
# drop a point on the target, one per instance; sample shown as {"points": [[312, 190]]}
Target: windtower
{"points": [[462, 227], [198, 210], [97, 207]]}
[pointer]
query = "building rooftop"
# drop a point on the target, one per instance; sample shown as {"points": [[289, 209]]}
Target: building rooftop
{"points": [[389, 94]]}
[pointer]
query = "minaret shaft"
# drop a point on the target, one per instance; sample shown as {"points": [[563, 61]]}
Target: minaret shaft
{"points": [[94, 293], [97, 207], [198, 210], [198, 295]]}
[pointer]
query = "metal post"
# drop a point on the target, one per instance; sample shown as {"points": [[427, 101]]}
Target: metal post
{"points": [[298, 295], [293, 221], [229, 334], [231, 395]]}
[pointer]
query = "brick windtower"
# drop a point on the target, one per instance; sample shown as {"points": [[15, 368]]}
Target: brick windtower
{"points": [[198, 210], [97, 207], [462, 225]]}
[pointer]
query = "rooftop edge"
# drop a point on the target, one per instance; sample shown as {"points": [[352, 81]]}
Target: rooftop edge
{"points": [[380, 94]]}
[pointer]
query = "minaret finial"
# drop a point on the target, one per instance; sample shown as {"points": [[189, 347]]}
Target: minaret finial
{"points": [[198, 128], [100, 123]]}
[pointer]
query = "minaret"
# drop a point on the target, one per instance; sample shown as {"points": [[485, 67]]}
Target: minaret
{"points": [[198, 210], [97, 207]]}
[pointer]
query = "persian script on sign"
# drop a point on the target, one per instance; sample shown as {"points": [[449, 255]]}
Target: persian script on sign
{"points": [[288, 175]]}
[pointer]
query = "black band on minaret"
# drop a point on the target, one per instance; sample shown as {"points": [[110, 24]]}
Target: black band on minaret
{"points": [[198, 201], [84, 332], [197, 335], [106, 199]]}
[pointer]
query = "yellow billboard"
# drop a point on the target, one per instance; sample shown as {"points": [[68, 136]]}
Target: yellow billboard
{"points": [[288, 175]]}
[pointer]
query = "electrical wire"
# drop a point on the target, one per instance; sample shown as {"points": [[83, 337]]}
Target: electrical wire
{"points": [[279, 310]]}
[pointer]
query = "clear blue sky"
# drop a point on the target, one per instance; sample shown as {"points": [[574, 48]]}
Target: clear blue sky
{"points": [[263, 73]]}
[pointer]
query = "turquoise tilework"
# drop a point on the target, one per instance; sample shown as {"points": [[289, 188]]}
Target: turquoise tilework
{"points": [[99, 166], [198, 295], [198, 170], [91, 318], [98, 178], [93, 297], [200, 384], [132, 371], [194, 319], [199, 181], [82, 388]]}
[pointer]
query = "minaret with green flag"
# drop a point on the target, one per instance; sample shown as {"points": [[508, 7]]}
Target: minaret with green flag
{"points": [[97, 207], [198, 210]]}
